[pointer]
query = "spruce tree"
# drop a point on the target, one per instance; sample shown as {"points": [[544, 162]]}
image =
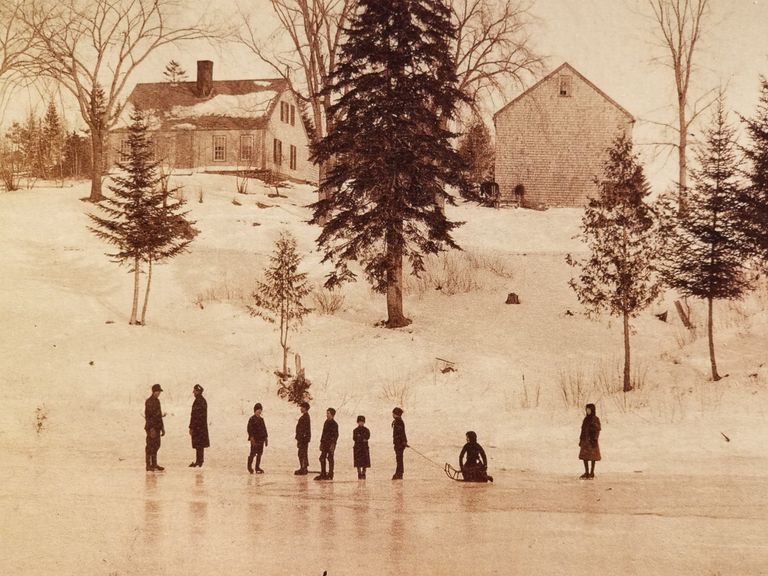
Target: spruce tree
{"points": [[279, 298], [706, 249], [53, 140], [619, 274], [754, 196], [391, 158], [174, 72], [139, 220], [476, 151]]}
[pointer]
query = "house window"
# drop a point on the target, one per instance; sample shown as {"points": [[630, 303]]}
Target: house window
{"points": [[125, 150], [277, 151], [246, 147], [293, 115], [219, 148], [565, 85], [293, 157]]}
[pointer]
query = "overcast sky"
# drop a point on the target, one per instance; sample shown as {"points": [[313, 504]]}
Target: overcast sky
{"points": [[611, 42]]}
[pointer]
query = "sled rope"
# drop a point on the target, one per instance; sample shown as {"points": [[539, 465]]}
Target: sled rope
{"points": [[425, 457]]}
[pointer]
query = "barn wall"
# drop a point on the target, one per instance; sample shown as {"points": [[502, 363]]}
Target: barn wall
{"points": [[554, 145]]}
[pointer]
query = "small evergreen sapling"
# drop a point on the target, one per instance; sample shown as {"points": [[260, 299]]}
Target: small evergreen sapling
{"points": [[279, 298], [706, 249], [174, 72], [618, 227]]}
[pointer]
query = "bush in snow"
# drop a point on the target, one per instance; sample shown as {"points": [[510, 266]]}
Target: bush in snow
{"points": [[328, 301]]}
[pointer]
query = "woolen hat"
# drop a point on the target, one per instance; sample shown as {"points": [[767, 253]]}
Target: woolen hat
{"points": [[398, 411], [156, 388], [197, 388], [305, 405], [361, 418], [257, 406]]}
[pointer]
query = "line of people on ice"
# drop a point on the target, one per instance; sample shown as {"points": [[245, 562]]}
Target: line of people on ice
{"points": [[473, 462]]}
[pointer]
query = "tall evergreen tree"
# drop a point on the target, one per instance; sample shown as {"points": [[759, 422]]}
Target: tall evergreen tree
{"points": [[279, 298], [53, 139], [138, 220], [706, 250], [391, 157], [620, 273], [754, 198]]}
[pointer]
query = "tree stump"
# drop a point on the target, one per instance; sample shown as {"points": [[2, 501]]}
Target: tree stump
{"points": [[512, 298]]}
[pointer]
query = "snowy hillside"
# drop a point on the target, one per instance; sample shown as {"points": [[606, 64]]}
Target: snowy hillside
{"points": [[68, 347]]}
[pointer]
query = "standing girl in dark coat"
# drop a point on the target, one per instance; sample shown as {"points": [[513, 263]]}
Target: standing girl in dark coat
{"points": [[588, 442], [362, 455], [198, 426]]}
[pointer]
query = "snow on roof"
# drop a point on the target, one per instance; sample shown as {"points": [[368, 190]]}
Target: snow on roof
{"points": [[232, 105], [253, 105]]}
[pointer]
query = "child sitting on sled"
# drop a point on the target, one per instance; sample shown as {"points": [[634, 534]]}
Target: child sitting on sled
{"points": [[473, 462]]}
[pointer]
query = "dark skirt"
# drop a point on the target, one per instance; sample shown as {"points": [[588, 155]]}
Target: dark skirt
{"points": [[589, 451], [362, 455], [475, 473]]}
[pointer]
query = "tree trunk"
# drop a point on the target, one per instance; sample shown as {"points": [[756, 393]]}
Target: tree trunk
{"points": [[627, 381], [97, 164], [135, 305], [396, 318], [682, 157], [284, 341], [146, 293], [710, 335]]}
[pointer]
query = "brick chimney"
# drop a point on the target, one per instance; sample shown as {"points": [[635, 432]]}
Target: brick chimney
{"points": [[204, 78]]}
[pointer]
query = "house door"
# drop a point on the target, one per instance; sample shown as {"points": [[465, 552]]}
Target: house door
{"points": [[185, 156]]}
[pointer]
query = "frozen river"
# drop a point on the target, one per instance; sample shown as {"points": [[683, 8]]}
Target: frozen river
{"points": [[90, 517]]}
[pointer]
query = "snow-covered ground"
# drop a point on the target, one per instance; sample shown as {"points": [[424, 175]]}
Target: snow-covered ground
{"points": [[672, 495]]}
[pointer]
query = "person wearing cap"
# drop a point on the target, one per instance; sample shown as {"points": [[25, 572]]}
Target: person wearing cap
{"points": [[399, 440], [328, 440], [361, 454], [257, 436], [198, 426], [153, 425], [303, 436]]}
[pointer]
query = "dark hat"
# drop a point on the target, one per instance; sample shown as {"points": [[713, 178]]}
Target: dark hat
{"points": [[332, 411], [198, 388], [361, 418], [305, 405], [471, 436], [257, 406], [156, 388], [398, 411]]}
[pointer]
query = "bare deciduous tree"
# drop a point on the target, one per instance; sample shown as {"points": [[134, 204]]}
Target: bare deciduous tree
{"points": [[315, 29], [492, 52], [93, 47], [680, 24], [17, 46]]}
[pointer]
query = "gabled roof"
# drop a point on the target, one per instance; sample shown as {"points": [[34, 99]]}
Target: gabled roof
{"points": [[232, 104], [577, 73]]}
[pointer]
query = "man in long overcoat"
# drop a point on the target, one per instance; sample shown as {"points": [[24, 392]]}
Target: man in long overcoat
{"points": [[153, 425], [198, 426], [303, 436]]}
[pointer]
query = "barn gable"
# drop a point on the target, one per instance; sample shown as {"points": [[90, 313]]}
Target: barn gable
{"points": [[551, 140]]}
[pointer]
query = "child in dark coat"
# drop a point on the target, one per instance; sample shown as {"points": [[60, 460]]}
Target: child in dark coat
{"points": [[362, 455], [257, 436], [328, 441], [473, 462], [588, 442], [399, 442]]}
